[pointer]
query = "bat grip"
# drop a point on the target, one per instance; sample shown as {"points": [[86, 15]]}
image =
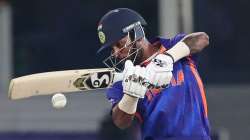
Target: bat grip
{"points": [[118, 77]]}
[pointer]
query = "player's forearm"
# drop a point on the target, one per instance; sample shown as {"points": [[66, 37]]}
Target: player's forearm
{"points": [[190, 44], [121, 119], [196, 41], [123, 112]]}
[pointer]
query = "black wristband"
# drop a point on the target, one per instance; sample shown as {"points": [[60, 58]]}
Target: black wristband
{"points": [[169, 56]]}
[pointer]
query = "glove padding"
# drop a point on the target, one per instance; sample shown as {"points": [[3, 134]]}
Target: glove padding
{"points": [[133, 80], [159, 70]]}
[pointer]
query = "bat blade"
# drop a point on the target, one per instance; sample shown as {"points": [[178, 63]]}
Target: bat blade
{"points": [[61, 81]]}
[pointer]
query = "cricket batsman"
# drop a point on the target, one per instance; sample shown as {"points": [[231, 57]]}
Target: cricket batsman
{"points": [[175, 108]]}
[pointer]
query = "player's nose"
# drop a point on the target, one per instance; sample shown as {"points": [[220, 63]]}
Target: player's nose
{"points": [[116, 52]]}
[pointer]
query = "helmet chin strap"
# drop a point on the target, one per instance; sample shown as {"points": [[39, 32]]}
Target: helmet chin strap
{"points": [[113, 62]]}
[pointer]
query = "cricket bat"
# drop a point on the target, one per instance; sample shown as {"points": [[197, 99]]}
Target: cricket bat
{"points": [[48, 83]]}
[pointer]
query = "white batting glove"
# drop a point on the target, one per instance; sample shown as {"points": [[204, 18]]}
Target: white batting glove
{"points": [[133, 79], [159, 70]]}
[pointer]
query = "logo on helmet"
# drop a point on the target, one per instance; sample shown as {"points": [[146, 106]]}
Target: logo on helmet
{"points": [[102, 37]]}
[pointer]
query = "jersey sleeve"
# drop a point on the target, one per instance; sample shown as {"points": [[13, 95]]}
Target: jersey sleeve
{"points": [[189, 59], [115, 93]]}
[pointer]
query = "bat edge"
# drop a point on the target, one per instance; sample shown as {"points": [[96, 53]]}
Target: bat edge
{"points": [[10, 96]]}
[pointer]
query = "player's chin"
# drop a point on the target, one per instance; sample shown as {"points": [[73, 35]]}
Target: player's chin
{"points": [[136, 58], [136, 61]]}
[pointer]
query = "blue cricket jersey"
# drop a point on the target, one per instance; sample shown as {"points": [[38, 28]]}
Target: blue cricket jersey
{"points": [[178, 112]]}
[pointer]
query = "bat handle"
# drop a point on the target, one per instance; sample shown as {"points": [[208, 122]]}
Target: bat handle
{"points": [[118, 77]]}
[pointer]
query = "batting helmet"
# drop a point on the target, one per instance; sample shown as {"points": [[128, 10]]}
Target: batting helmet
{"points": [[116, 24]]}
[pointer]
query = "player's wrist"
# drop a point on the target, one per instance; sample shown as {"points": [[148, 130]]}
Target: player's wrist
{"points": [[178, 51], [128, 104], [170, 56]]}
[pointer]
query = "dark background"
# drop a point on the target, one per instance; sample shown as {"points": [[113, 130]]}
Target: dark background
{"points": [[227, 59], [55, 35]]}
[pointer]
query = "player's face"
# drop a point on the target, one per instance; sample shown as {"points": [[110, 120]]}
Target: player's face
{"points": [[123, 50], [119, 50], [127, 50]]}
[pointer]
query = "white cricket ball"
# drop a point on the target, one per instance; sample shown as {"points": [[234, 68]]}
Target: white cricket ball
{"points": [[59, 101]]}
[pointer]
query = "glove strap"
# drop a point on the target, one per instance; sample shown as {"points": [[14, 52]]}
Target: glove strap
{"points": [[166, 53], [179, 51]]}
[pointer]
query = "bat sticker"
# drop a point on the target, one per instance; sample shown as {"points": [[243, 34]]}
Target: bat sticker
{"points": [[94, 80]]}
